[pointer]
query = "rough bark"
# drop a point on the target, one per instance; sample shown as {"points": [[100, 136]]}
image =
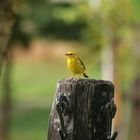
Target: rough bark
{"points": [[82, 110]]}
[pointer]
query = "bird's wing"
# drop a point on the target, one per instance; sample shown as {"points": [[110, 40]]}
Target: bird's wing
{"points": [[82, 63]]}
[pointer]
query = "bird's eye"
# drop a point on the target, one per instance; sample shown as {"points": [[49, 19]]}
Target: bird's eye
{"points": [[70, 54]]}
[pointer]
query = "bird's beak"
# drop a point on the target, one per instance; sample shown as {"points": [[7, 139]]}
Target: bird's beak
{"points": [[66, 54]]}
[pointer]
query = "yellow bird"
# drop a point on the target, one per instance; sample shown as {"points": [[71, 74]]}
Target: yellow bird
{"points": [[75, 64]]}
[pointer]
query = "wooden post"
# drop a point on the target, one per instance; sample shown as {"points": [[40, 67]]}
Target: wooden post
{"points": [[82, 110]]}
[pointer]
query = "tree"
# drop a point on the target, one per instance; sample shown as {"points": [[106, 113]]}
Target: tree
{"points": [[7, 19]]}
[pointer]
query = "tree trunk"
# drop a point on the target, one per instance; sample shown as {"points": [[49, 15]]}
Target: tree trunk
{"points": [[7, 19], [82, 110], [6, 101]]}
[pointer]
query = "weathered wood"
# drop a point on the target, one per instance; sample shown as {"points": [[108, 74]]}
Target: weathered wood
{"points": [[82, 110]]}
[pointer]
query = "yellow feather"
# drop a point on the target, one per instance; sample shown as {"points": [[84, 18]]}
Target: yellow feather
{"points": [[75, 65]]}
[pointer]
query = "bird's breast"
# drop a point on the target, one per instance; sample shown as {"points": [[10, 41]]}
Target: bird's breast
{"points": [[71, 63], [74, 66]]}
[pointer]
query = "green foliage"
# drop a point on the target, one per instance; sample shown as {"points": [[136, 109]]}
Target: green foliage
{"points": [[51, 20], [42, 18], [136, 10]]}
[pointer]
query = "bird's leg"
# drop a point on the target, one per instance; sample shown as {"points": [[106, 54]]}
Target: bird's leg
{"points": [[77, 76], [72, 76]]}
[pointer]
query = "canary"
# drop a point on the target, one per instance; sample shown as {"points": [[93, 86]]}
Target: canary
{"points": [[75, 64]]}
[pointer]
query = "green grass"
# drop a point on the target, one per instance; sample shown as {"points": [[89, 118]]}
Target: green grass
{"points": [[33, 87], [30, 125], [35, 82]]}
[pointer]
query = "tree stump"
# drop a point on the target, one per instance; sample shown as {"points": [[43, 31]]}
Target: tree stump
{"points": [[82, 110]]}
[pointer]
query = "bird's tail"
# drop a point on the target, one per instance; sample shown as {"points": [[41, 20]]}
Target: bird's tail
{"points": [[85, 75]]}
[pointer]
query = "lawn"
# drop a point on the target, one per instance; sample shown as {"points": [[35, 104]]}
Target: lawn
{"points": [[35, 83], [29, 125], [33, 86]]}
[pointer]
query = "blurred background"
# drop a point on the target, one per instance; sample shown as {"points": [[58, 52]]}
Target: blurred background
{"points": [[34, 36]]}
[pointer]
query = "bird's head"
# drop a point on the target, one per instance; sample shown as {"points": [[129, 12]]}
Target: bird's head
{"points": [[71, 54]]}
